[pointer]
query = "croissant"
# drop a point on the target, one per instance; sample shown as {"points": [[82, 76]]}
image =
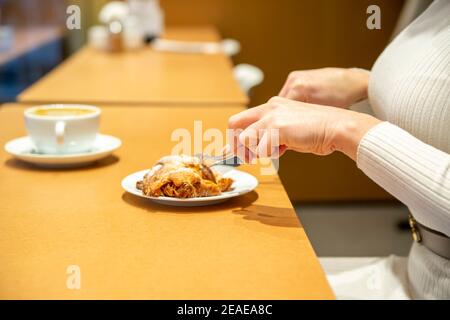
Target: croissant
{"points": [[183, 177]]}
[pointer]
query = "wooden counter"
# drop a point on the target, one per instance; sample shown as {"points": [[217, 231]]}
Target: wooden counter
{"points": [[141, 77], [251, 247]]}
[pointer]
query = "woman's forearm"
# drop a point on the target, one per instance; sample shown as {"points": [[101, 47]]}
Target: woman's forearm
{"points": [[350, 131], [414, 172]]}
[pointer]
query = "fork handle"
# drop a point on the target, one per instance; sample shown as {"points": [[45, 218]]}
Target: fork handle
{"points": [[232, 162]]}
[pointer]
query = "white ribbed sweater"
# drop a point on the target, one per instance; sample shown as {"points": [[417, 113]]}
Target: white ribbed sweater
{"points": [[408, 155]]}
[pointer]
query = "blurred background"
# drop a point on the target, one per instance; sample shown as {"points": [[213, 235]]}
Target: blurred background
{"points": [[335, 201]]}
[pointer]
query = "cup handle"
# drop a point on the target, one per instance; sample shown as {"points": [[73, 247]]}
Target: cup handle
{"points": [[60, 130]]}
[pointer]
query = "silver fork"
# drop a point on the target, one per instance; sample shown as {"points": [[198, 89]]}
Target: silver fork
{"points": [[225, 160]]}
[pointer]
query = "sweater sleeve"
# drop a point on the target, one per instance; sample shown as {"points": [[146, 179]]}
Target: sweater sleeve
{"points": [[412, 171]]}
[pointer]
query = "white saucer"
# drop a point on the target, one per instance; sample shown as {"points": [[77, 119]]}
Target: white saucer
{"points": [[22, 149], [243, 183]]}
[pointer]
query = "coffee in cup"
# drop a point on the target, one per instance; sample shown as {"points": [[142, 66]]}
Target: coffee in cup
{"points": [[62, 128]]}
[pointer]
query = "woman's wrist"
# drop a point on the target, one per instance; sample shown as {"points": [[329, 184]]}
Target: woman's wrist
{"points": [[350, 131], [360, 78]]}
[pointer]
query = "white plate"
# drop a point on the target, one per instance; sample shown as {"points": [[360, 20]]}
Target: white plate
{"points": [[23, 149], [243, 183]]}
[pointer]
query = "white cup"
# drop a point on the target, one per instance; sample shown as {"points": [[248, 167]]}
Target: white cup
{"points": [[62, 128], [98, 37]]}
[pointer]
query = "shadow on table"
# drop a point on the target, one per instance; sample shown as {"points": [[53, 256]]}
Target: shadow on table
{"points": [[22, 165], [274, 216], [242, 205], [150, 206]]}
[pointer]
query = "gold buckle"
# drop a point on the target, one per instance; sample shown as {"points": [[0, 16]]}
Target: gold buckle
{"points": [[414, 231]]}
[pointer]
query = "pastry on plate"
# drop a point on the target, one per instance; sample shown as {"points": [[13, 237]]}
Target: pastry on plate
{"points": [[183, 177]]}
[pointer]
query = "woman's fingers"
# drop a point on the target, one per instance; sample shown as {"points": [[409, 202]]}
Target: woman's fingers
{"points": [[282, 149], [264, 147], [237, 148], [247, 142], [251, 135], [262, 140], [245, 118], [285, 89], [294, 94], [238, 124], [269, 145], [288, 84]]}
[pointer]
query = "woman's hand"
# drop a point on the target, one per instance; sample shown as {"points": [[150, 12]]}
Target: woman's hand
{"points": [[302, 127], [335, 87]]}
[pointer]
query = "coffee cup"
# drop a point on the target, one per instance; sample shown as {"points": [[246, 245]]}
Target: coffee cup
{"points": [[62, 128]]}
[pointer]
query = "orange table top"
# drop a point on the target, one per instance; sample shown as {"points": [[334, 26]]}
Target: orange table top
{"points": [[250, 247], [141, 77]]}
